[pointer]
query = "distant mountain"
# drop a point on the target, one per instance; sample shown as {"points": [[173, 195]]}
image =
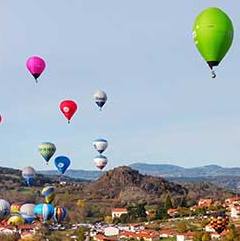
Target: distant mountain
{"points": [[162, 170], [78, 174], [176, 171]]}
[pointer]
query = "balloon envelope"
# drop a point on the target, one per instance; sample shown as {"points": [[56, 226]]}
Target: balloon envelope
{"points": [[27, 212], [59, 214], [100, 98], [29, 174], [15, 208], [49, 193], [100, 161], [47, 150], [44, 211], [213, 35], [16, 220], [68, 108], [36, 66], [4, 208], [62, 163], [100, 145]]}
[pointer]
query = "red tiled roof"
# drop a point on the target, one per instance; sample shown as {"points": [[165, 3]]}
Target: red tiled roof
{"points": [[119, 210]]}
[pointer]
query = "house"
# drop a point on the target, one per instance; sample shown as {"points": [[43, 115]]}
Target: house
{"points": [[172, 212], [147, 235], [205, 203], [101, 237], [185, 236], [232, 200], [235, 211], [117, 212], [209, 229]]}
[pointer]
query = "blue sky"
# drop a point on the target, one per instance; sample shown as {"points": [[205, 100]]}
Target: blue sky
{"points": [[163, 105]]}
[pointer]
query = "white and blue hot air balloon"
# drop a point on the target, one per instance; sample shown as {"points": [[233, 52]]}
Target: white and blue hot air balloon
{"points": [[100, 98], [62, 163], [29, 174], [4, 208], [100, 161], [100, 145], [27, 212]]}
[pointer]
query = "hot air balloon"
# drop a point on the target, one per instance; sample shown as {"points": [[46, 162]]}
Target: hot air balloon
{"points": [[219, 221], [47, 150], [100, 145], [49, 193], [4, 208], [100, 161], [36, 66], [213, 35], [1, 119], [15, 208], [100, 98], [27, 212], [15, 220], [44, 211], [29, 174], [59, 214], [62, 163], [68, 108]]}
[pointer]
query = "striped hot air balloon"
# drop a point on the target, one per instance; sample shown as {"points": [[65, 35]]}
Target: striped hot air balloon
{"points": [[59, 214], [219, 221]]}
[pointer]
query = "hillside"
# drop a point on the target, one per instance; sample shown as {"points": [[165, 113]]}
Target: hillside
{"points": [[127, 185]]}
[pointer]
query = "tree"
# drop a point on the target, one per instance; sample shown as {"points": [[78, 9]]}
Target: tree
{"points": [[161, 213], [182, 227], [168, 202]]}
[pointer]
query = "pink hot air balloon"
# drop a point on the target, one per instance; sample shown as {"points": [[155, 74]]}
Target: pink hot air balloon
{"points": [[36, 66]]}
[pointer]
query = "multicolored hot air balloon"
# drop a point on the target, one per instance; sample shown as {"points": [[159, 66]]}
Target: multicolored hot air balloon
{"points": [[100, 145], [68, 108], [29, 174], [62, 163], [219, 221], [36, 66], [44, 211], [27, 212], [100, 98], [59, 214], [100, 161], [47, 150], [15, 220], [4, 208], [213, 35], [15, 208], [49, 193]]}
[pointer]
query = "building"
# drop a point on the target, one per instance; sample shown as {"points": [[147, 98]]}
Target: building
{"points": [[172, 212], [232, 200], [205, 203], [235, 211], [185, 236], [146, 235], [117, 212]]}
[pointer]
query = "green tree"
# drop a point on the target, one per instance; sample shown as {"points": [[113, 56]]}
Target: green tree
{"points": [[168, 202], [161, 213]]}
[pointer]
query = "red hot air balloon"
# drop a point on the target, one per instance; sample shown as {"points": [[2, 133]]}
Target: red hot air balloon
{"points": [[36, 66], [68, 108], [0, 119]]}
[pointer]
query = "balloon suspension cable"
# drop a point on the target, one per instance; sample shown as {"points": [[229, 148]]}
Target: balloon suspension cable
{"points": [[213, 74]]}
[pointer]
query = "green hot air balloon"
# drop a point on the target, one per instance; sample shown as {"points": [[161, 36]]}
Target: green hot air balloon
{"points": [[47, 150], [213, 35]]}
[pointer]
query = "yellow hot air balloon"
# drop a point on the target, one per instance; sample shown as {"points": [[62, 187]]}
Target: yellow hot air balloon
{"points": [[15, 220]]}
